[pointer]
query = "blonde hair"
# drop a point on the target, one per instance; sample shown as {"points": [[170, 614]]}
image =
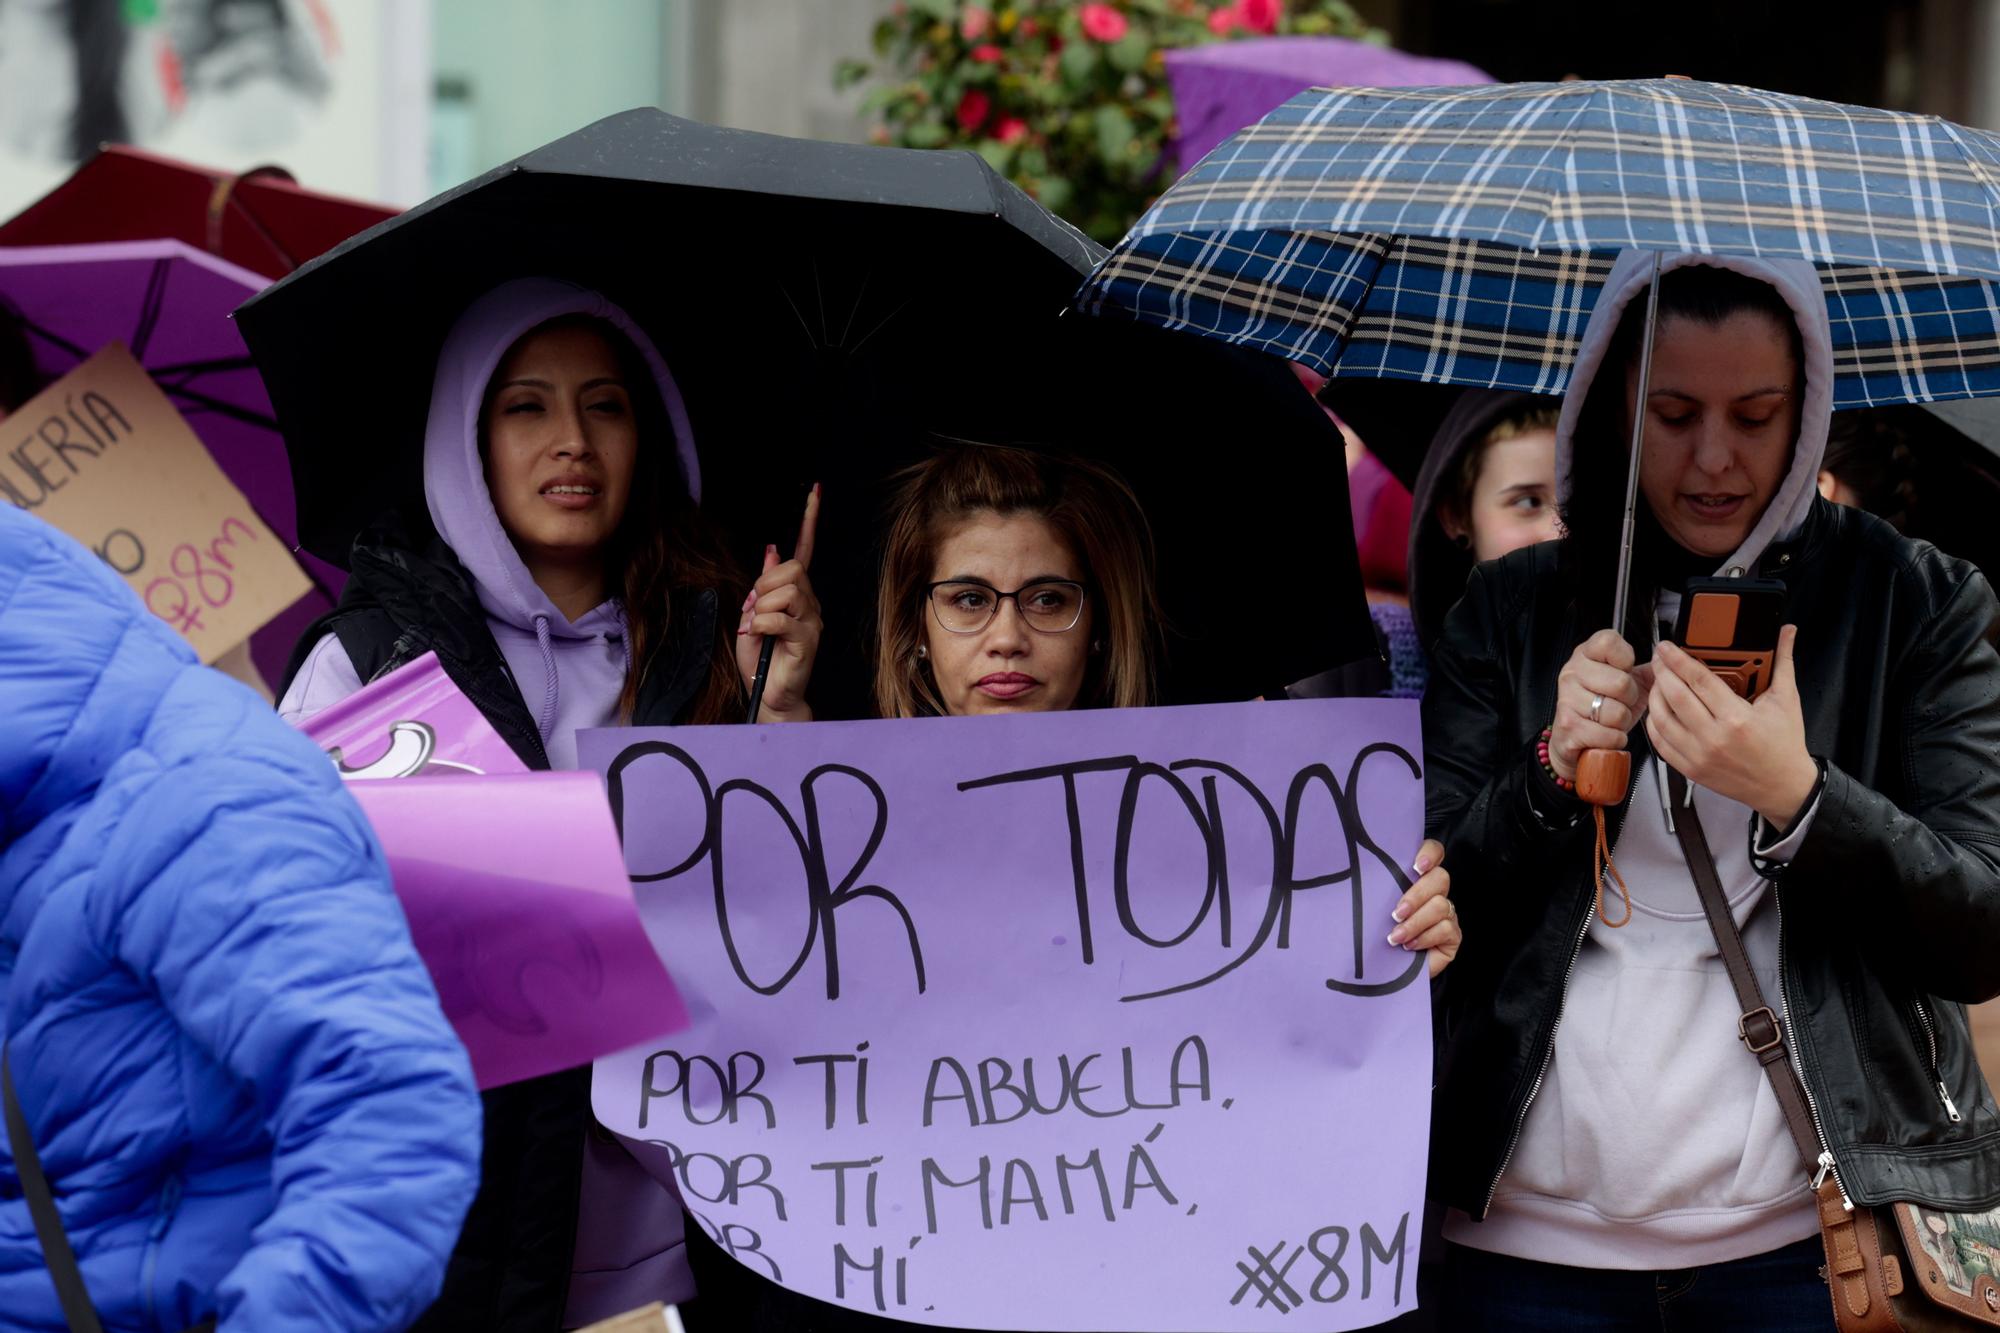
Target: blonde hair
{"points": [[1091, 509], [1518, 424]]}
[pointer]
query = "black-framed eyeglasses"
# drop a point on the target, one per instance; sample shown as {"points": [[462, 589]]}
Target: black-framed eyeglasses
{"points": [[967, 606]]}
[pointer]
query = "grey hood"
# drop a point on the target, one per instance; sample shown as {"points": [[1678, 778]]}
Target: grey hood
{"points": [[1798, 282]]}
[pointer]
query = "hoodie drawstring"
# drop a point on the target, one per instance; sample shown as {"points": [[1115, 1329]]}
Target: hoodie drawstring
{"points": [[548, 717]]}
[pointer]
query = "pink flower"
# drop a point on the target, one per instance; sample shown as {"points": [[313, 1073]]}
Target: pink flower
{"points": [[1010, 129], [1260, 15], [973, 22], [973, 109], [1222, 19], [1102, 23], [988, 54], [1029, 27]]}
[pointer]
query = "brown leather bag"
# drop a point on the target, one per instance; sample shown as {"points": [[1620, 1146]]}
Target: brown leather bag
{"points": [[1893, 1269]]}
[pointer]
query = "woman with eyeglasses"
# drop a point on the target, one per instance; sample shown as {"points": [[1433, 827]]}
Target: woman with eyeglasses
{"points": [[1014, 582]]}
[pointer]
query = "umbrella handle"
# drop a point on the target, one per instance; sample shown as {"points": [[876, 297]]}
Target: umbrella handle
{"points": [[222, 195], [757, 681], [1602, 779], [1603, 776], [808, 529]]}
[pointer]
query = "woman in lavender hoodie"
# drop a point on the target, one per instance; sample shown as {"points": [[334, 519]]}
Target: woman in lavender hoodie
{"points": [[565, 578]]}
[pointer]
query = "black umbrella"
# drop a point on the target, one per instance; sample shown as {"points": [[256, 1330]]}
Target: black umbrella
{"points": [[749, 255], [825, 308], [1931, 469]]}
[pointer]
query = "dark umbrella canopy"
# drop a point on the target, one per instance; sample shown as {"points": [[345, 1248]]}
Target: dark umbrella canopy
{"points": [[758, 263], [1931, 469], [824, 307]]}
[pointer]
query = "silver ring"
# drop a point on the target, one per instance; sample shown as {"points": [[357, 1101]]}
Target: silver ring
{"points": [[1596, 706]]}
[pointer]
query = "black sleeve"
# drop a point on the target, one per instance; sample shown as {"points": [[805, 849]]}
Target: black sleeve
{"points": [[1499, 815], [1919, 877]]}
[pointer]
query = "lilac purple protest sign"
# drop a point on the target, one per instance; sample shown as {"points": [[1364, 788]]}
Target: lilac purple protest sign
{"points": [[511, 881], [1070, 1021], [512, 889]]}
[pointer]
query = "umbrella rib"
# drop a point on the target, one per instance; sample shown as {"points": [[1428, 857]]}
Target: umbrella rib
{"points": [[860, 299], [263, 233], [208, 403], [196, 368], [149, 310], [804, 327], [49, 335], [819, 295], [856, 349]]}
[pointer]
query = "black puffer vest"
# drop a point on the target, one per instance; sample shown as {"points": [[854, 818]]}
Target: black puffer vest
{"points": [[408, 595]]}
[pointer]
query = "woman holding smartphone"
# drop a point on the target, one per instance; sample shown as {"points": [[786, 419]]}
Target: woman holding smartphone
{"points": [[1612, 1156]]}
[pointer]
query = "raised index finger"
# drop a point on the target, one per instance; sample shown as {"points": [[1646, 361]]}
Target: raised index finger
{"points": [[808, 530]]}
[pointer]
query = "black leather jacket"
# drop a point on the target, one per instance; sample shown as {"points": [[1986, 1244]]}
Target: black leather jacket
{"points": [[1889, 914]]}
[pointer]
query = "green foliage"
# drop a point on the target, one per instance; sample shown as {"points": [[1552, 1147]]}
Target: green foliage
{"points": [[1069, 101]]}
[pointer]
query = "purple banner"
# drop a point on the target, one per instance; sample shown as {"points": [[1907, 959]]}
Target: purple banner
{"points": [[1071, 1021], [516, 902], [512, 882]]}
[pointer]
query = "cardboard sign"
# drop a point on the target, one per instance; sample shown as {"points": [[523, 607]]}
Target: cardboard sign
{"points": [[1066, 1021], [103, 455]]}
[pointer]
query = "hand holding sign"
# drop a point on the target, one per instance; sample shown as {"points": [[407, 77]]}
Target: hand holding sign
{"points": [[779, 632], [1426, 919]]}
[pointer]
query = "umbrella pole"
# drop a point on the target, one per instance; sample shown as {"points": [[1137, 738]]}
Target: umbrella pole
{"points": [[1623, 592], [1604, 777], [757, 681]]}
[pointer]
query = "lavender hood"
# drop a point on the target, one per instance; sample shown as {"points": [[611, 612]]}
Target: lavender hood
{"points": [[581, 688], [454, 473]]}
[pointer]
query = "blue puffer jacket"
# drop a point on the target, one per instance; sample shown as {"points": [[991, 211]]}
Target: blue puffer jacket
{"points": [[230, 1057]]}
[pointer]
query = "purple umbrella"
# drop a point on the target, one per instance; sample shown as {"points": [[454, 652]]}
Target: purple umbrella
{"points": [[170, 305], [1222, 87]]}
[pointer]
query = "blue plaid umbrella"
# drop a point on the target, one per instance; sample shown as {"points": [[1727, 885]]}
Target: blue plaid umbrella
{"points": [[1461, 235]]}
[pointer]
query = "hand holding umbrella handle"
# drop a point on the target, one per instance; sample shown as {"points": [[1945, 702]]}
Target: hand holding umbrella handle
{"points": [[757, 682], [803, 553]]}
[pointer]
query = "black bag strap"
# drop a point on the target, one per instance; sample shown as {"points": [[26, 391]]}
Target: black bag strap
{"points": [[56, 1253]]}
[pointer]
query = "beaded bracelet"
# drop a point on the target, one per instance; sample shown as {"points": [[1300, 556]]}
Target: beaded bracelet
{"points": [[1542, 749]]}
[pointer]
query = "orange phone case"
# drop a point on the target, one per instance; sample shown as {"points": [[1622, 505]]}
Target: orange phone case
{"points": [[1711, 633]]}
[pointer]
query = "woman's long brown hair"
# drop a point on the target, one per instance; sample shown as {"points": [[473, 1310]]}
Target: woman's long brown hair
{"points": [[1091, 509], [665, 550]]}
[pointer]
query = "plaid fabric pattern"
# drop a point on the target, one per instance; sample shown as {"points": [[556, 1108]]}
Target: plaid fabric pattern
{"points": [[1461, 235]]}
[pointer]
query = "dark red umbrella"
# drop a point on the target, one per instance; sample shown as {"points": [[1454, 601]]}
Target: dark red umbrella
{"points": [[260, 219]]}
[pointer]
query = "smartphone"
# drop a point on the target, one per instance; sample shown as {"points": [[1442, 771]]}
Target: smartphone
{"points": [[1731, 626]]}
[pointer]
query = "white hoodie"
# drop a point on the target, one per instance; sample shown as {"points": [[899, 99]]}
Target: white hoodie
{"points": [[1655, 1142]]}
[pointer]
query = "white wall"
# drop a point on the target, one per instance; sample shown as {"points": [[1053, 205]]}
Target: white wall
{"points": [[538, 70], [768, 64], [364, 138]]}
